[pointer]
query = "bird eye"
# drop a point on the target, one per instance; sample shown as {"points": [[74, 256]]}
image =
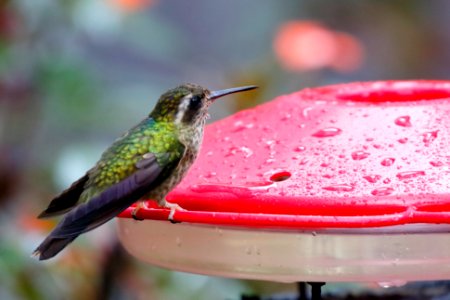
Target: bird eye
{"points": [[195, 102]]}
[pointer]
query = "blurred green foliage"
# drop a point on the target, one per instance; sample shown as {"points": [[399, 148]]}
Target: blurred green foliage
{"points": [[75, 74]]}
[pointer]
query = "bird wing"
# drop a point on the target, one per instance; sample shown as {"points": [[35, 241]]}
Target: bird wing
{"points": [[150, 171], [66, 200]]}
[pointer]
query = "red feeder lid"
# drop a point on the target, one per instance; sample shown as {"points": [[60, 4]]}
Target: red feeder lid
{"points": [[344, 156]]}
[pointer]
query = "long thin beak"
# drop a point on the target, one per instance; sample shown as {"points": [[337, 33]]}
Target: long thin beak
{"points": [[217, 94]]}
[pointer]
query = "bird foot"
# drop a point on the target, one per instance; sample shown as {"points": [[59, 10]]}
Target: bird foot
{"points": [[139, 206], [173, 208]]}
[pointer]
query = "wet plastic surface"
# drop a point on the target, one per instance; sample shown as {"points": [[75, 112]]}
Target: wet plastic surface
{"points": [[355, 155], [341, 183]]}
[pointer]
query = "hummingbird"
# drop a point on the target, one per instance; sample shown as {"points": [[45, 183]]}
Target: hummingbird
{"points": [[146, 162]]}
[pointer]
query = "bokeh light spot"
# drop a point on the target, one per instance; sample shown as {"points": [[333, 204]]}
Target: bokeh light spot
{"points": [[308, 45]]}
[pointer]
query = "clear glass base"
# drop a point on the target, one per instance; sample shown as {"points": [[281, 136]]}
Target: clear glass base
{"points": [[391, 255]]}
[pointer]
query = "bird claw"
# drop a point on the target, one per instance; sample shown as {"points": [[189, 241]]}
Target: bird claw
{"points": [[174, 222], [135, 217], [173, 208], [136, 210]]}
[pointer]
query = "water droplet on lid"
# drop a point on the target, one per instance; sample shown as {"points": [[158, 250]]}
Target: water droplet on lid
{"points": [[280, 176], [304, 161], [372, 178], [327, 132], [359, 155], [300, 149], [240, 125], [270, 160], [410, 174], [436, 163], [286, 117], [247, 151], [231, 151], [234, 150], [404, 121], [429, 137], [382, 191], [210, 175], [389, 161], [306, 111], [339, 188], [270, 144]]}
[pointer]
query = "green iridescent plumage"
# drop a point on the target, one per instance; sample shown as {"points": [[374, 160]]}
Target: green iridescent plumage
{"points": [[119, 160], [145, 163]]}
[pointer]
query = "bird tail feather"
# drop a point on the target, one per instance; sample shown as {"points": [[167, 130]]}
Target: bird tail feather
{"points": [[51, 246], [101, 208]]}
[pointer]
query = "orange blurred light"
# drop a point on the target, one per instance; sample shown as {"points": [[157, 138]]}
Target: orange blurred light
{"points": [[29, 222], [131, 5], [308, 45], [350, 54]]}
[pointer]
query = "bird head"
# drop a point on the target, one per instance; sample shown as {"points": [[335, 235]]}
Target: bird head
{"points": [[188, 104]]}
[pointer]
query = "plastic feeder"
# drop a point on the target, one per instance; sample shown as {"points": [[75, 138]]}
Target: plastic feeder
{"points": [[341, 183]]}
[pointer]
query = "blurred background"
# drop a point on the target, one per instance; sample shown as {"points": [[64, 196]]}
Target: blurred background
{"points": [[75, 74]]}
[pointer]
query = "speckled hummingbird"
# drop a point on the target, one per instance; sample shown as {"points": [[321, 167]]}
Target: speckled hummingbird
{"points": [[146, 162]]}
